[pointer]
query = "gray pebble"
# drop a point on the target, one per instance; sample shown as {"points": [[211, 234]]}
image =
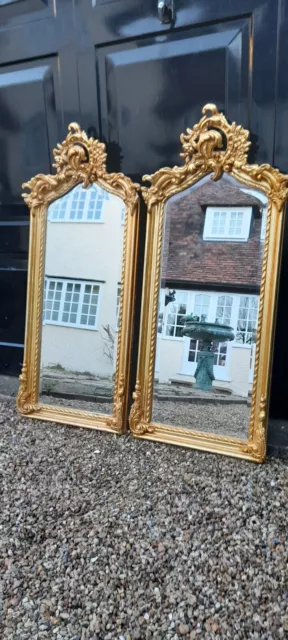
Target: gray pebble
{"points": [[139, 541]]}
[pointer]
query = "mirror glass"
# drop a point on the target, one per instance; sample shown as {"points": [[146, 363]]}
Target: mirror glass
{"points": [[208, 306], [82, 284]]}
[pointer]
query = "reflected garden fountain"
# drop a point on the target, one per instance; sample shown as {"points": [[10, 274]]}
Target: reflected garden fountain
{"points": [[207, 332]]}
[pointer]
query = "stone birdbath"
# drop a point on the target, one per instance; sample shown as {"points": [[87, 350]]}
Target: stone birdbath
{"points": [[207, 332]]}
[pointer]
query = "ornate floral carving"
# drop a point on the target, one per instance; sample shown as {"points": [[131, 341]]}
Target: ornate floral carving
{"points": [[24, 403], [213, 146], [136, 419], [257, 446], [116, 422], [79, 159]]}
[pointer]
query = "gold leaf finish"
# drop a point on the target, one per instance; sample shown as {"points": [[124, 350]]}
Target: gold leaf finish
{"points": [[136, 419], [78, 159], [116, 422], [212, 147], [24, 394]]}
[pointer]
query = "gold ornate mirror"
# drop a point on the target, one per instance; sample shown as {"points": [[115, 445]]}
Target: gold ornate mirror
{"points": [[81, 282], [213, 242]]}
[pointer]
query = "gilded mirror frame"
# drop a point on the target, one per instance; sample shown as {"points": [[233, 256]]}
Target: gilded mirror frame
{"points": [[204, 153], [78, 160]]}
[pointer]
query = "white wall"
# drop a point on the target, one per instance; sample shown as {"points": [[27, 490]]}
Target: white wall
{"points": [[239, 370], [170, 360], [75, 350], [172, 353], [90, 251]]}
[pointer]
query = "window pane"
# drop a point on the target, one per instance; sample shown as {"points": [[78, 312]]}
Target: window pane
{"points": [[202, 302], [171, 318], [182, 309]]}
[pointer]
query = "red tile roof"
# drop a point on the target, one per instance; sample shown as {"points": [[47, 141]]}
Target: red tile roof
{"points": [[188, 258]]}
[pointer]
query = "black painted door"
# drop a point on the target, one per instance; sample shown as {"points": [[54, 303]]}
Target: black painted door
{"points": [[149, 81], [38, 98], [141, 83]]}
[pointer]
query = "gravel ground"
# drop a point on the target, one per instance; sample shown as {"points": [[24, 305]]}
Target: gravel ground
{"points": [[109, 538], [84, 405], [227, 420], [223, 419]]}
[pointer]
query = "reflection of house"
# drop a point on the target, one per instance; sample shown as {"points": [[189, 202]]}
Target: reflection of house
{"points": [[212, 256], [82, 281]]}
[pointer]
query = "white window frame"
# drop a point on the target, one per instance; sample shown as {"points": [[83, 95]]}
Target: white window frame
{"points": [[263, 224], [238, 343], [184, 294], [263, 199], [67, 201], [211, 317], [77, 324], [246, 223], [191, 299]]}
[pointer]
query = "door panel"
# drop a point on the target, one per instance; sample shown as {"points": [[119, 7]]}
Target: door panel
{"points": [[172, 79], [38, 97], [149, 80], [31, 131], [14, 12]]}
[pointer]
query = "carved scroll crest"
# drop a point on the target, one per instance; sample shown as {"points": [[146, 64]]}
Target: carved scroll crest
{"points": [[213, 147], [78, 159]]}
